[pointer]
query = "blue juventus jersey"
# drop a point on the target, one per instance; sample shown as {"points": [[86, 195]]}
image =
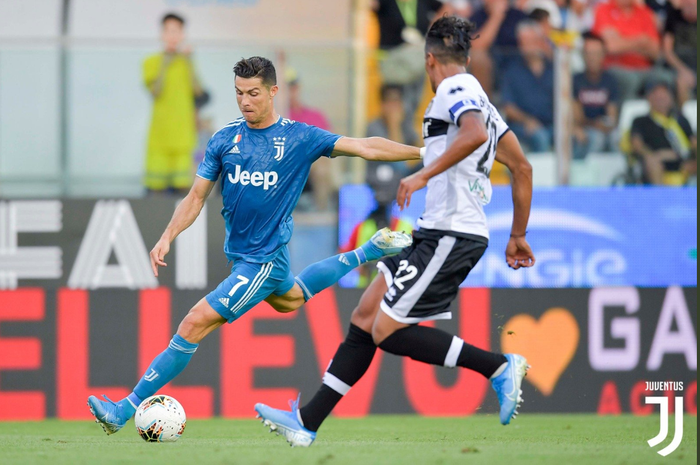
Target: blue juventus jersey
{"points": [[263, 174]]}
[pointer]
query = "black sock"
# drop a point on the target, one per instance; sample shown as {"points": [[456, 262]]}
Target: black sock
{"points": [[351, 361], [436, 347]]}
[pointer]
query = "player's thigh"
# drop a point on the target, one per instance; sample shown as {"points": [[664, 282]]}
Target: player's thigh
{"points": [[364, 314], [201, 320], [246, 286], [384, 326]]}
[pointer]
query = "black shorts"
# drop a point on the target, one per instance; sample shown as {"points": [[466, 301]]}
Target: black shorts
{"points": [[424, 278]]}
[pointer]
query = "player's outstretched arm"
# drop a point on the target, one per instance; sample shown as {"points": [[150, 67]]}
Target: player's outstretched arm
{"points": [[509, 152], [185, 214], [375, 149], [472, 135]]}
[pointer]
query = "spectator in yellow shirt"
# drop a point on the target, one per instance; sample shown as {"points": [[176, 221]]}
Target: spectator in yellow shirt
{"points": [[171, 80]]}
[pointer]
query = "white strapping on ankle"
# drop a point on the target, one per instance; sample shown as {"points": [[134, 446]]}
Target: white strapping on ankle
{"points": [[499, 370], [336, 384], [301, 422], [453, 353], [132, 404]]}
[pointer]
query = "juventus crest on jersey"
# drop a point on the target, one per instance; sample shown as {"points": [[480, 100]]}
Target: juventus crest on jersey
{"points": [[456, 197]]}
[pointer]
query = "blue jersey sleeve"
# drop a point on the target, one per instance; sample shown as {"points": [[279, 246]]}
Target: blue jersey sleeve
{"points": [[210, 167], [320, 142]]}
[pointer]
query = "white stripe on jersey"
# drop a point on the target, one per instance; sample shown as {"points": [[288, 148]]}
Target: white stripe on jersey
{"points": [[456, 197]]}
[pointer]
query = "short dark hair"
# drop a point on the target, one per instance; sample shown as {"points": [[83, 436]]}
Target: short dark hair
{"points": [[592, 36], [450, 39], [257, 67], [388, 89], [173, 16], [539, 15]]}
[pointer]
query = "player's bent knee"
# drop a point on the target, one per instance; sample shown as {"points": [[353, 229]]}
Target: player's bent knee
{"points": [[199, 321], [288, 302]]}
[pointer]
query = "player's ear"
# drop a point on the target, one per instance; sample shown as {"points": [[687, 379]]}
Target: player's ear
{"points": [[273, 90], [466, 64]]}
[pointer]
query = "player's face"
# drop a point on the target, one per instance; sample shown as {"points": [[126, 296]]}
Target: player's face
{"points": [[593, 55], [172, 35], [254, 98]]}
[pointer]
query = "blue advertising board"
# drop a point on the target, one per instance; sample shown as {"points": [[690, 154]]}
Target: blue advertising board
{"points": [[582, 237]]}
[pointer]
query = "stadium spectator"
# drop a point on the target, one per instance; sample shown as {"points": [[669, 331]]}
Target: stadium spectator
{"points": [[579, 16], [496, 23], [171, 79], [402, 27], [663, 140], [528, 90], [393, 124], [595, 101], [320, 184], [680, 45], [629, 31]]}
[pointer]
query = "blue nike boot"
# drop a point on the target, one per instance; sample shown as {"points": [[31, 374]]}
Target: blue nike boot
{"points": [[110, 415], [507, 386], [286, 423]]}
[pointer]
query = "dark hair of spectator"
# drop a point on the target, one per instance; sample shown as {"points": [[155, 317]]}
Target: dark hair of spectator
{"points": [[450, 39], [387, 89], [257, 67], [591, 36], [539, 15], [174, 17]]}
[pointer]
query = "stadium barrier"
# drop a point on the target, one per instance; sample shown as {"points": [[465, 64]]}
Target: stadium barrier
{"points": [[591, 350], [81, 314]]}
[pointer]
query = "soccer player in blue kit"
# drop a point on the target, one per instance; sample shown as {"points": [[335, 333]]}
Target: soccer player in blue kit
{"points": [[264, 162]]}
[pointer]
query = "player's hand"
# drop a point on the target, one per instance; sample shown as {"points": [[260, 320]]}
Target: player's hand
{"points": [[519, 254], [408, 186], [158, 253]]}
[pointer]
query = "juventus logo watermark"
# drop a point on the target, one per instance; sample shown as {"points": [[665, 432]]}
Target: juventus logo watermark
{"points": [[151, 376], [279, 147], [662, 401]]}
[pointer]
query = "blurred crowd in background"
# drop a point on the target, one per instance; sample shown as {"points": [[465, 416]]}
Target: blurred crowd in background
{"points": [[625, 68]]}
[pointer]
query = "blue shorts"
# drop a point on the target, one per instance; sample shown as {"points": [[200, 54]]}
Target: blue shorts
{"points": [[249, 284]]}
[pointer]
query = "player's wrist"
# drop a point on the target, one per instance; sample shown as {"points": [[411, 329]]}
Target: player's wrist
{"points": [[422, 152], [517, 235]]}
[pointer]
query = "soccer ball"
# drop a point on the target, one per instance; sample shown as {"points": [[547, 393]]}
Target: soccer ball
{"points": [[160, 419]]}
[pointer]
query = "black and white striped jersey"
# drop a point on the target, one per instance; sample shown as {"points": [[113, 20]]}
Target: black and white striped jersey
{"points": [[456, 197]]}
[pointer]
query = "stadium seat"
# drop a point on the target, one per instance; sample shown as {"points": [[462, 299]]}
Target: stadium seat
{"points": [[630, 110], [597, 169], [690, 111], [544, 169]]}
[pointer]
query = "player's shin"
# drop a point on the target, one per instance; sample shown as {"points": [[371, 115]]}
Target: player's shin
{"points": [[163, 369], [351, 361], [434, 346]]}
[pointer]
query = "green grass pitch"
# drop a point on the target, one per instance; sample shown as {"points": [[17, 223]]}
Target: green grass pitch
{"points": [[480, 439]]}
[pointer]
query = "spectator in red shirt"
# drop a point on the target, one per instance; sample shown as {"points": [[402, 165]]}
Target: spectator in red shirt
{"points": [[628, 29]]}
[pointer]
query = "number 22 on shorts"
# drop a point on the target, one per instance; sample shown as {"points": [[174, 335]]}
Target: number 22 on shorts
{"points": [[411, 272]]}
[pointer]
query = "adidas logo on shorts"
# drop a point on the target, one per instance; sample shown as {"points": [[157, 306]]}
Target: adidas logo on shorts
{"points": [[224, 300]]}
